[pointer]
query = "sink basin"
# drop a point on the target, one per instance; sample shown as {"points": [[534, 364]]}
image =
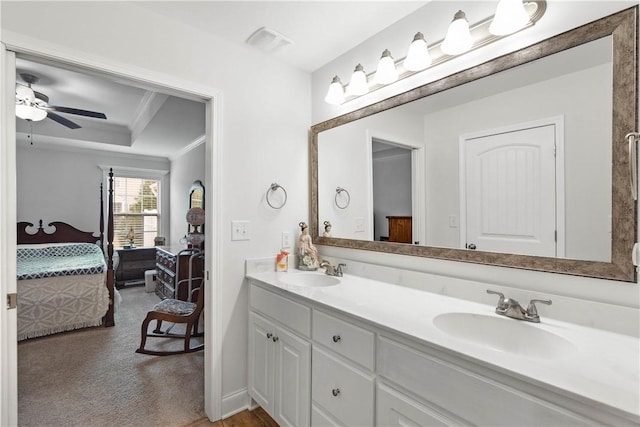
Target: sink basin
{"points": [[504, 334], [315, 280]]}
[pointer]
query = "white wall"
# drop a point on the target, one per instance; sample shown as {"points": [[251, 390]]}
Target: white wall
{"points": [[587, 161], [344, 160], [265, 120], [185, 169], [55, 185], [432, 20]]}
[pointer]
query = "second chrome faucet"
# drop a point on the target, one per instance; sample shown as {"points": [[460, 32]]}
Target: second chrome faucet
{"points": [[512, 308]]}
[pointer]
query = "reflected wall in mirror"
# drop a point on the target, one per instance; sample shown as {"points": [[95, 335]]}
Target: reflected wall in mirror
{"points": [[518, 162]]}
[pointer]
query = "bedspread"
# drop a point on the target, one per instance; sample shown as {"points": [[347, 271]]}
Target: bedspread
{"points": [[61, 288]]}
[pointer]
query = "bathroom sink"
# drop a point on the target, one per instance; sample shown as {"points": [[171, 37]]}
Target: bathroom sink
{"points": [[315, 280], [504, 334]]}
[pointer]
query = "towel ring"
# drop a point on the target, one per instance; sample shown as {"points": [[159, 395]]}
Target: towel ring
{"points": [[342, 190], [273, 188]]}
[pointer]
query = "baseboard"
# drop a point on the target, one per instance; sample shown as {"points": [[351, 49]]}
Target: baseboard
{"points": [[235, 402]]}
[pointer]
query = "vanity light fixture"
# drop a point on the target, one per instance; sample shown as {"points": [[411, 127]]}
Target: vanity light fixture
{"points": [[386, 72], [335, 95], [460, 39], [358, 85], [510, 17], [418, 57]]}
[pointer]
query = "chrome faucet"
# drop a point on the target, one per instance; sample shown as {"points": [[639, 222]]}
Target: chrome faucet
{"points": [[330, 270], [512, 308]]}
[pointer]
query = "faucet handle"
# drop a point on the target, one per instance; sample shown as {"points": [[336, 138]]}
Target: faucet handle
{"points": [[501, 303], [532, 311]]}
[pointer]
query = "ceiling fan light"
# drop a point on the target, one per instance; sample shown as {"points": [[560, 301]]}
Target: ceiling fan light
{"points": [[358, 85], [27, 112], [418, 57], [458, 39], [335, 95], [510, 17], [386, 72], [25, 94]]}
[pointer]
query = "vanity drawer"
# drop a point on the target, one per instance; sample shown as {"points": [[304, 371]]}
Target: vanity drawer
{"points": [[344, 338], [343, 391], [294, 316], [465, 393]]}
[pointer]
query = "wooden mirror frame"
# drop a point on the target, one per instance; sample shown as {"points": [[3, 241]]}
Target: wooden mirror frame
{"points": [[622, 26]]}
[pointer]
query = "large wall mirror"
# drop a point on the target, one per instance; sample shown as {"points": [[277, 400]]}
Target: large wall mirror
{"points": [[518, 162]]}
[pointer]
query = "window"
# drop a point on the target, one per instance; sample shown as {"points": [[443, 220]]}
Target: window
{"points": [[136, 211]]}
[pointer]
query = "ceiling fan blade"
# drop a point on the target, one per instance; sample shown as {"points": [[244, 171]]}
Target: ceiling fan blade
{"points": [[78, 112], [63, 121]]}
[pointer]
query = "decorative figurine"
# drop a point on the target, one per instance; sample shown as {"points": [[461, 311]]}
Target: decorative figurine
{"points": [[307, 252], [327, 229], [130, 236]]}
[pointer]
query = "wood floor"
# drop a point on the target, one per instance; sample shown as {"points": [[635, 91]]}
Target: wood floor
{"points": [[256, 418]]}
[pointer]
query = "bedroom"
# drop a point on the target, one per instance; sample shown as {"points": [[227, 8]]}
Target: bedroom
{"points": [[170, 129]]}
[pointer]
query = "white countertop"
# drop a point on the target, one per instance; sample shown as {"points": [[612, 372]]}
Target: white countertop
{"points": [[599, 365]]}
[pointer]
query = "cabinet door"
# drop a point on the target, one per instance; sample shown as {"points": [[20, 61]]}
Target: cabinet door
{"points": [[293, 379], [261, 361], [396, 409]]}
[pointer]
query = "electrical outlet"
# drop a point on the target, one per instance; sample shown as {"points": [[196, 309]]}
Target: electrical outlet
{"points": [[453, 221], [240, 230], [286, 240], [359, 224]]}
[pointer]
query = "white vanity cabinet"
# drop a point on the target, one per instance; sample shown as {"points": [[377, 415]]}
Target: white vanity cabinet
{"points": [[329, 366], [279, 359], [343, 378]]}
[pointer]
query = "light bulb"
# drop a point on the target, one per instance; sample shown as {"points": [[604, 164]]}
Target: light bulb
{"points": [[418, 57], [27, 112], [458, 39], [358, 84], [386, 72], [25, 94], [335, 95], [510, 17]]}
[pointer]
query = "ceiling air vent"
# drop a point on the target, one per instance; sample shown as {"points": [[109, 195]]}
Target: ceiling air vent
{"points": [[269, 40]]}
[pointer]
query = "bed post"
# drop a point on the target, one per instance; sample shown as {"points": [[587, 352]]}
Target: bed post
{"points": [[101, 218], [110, 319]]}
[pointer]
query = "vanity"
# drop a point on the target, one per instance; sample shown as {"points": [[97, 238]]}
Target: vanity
{"points": [[355, 351]]}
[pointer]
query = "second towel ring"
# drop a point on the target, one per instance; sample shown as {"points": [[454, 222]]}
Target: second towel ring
{"points": [[274, 187], [345, 205]]}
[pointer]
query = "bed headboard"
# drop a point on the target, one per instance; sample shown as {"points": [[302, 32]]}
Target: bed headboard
{"points": [[63, 233]]}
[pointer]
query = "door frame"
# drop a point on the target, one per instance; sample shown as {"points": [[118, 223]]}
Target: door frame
{"points": [[558, 123], [417, 180], [13, 42]]}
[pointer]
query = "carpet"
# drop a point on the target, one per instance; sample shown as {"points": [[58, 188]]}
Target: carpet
{"points": [[93, 377]]}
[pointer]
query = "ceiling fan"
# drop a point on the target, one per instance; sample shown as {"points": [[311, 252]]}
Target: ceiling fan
{"points": [[34, 106]]}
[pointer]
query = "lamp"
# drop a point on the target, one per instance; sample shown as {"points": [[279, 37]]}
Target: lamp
{"points": [[458, 39], [335, 95], [25, 104], [358, 84], [28, 112], [418, 57], [386, 72], [510, 17]]}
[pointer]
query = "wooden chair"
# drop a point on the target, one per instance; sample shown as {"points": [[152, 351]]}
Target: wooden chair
{"points": [[177, 311]]}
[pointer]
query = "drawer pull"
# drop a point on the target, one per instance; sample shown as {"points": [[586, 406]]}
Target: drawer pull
{"points": [[275, 338], [335, 391], [269, 335], [336, 338]]}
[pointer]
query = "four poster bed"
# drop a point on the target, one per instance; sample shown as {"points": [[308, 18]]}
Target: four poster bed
{"points": [[65, 280]]}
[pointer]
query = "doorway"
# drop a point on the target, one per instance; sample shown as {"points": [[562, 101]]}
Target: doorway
{"points": [[8, 344]]}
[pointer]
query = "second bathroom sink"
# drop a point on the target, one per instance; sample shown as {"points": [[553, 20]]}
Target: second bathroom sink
{"points": [[504, 334]]}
